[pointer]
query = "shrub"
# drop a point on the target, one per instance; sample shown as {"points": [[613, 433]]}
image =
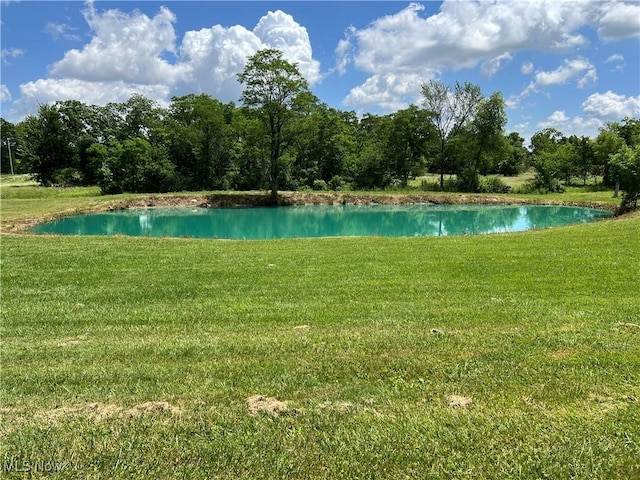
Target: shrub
{"points": [[67, 177], [335, 183], [493, 184], [319, 185]]}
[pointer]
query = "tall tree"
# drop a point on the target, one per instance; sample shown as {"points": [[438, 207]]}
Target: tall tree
{"points": [[548, 157], [486, 139], [373, 169], [47, 144], [277, 92], [606, 144], [449, 110], [409, 138], [138, 117], [515, 159], [198, 137], [584, 157]]}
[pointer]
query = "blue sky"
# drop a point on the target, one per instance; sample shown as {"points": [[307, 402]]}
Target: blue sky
{"points": [[569, 65]]}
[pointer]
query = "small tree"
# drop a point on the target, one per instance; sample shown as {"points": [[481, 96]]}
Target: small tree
{"points": [[276, 91], [449, 111]]}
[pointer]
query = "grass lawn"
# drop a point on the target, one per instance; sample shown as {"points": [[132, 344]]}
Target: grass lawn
{"points": [[500, 356]]}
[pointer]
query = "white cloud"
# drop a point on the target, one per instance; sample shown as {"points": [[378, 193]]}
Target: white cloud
{"points": [[491, 67], [388, 91], [466, 34], [598, 109], [578, 68], [7, 53], [463, 34], [619, 20], [571, 126], [95, 93], [611, 106], [526, 68], [61, 30], [212, 57], [132, 52], [344, 51], [279, 30], [125, 47], [5, 94], [589, 78], [616, 57], [618, 61], [568, 70]]}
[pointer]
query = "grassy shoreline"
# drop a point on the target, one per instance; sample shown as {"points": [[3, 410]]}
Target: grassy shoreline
{"points": [[139, 357]]}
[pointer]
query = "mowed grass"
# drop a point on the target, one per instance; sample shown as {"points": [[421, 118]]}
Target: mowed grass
{"points": [[134, 357]]}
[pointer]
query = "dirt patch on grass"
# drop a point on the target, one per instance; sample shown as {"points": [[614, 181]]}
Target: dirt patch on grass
{"points": [[341, 407], [457, 401], [564, 353], [70, 342], [99, 412], [150, 408], [258, 404], [95, 412]]}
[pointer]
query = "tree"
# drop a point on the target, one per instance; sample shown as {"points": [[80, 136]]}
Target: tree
{"points": [[136, 166], [486, 139], [607, 143], [46, 144], [372, 169], [612, 137], [625, 169], [408, 142], [277, 93], [325, 140], [514, 160], [138, 117], [584, 157], [449, 111], [545, 146], [199, 140]]}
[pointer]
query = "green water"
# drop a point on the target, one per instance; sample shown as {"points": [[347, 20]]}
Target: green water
{"points": [[320, 221]]}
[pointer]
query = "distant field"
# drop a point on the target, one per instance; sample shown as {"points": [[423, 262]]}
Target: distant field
{"points": [[499, 356], [17, 181]]}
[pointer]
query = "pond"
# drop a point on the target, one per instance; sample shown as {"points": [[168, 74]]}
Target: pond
{"points": [[321, 221]]}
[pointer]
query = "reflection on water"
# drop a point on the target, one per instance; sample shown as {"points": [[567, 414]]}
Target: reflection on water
{"points": [[321, 221]]}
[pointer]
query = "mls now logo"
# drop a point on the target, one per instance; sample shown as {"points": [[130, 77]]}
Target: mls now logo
{"points": [[15, 465]]}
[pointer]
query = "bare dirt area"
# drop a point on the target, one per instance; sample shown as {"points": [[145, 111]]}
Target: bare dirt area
{"points": [[98, 412], [258, 404]]}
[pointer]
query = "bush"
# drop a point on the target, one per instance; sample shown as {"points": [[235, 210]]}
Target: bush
{"points": [[535, 186], [319, 185], [67, 177], [493, 184], [335, 183], [450, 185]]}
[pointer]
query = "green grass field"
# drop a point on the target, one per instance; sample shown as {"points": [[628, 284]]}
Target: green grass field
{"points": [[501, 356]]}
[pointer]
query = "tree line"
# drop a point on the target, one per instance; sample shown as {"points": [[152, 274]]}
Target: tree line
{"points": [[283, 138]]}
